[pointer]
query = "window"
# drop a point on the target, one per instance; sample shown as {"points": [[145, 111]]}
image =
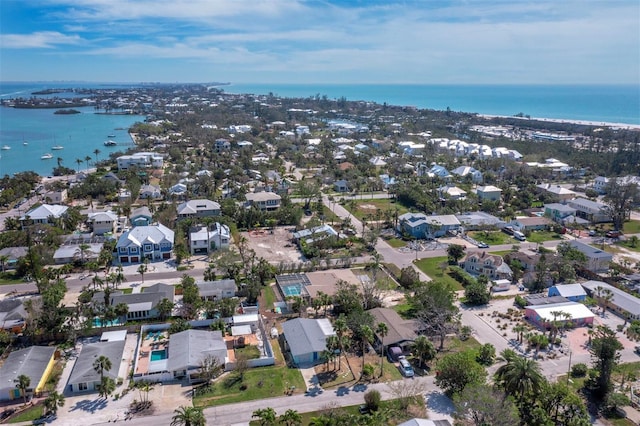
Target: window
{"points": [[134, 249], [82, 386], [123, 249], [147, 247]]}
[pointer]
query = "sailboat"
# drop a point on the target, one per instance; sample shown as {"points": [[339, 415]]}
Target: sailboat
{"points": [[5, 147], [57, 147], [47, 156]]}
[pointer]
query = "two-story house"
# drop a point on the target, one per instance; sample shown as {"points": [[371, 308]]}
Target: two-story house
{"points": [[597, 260], [151, 192], [263, 200], [204, 240], [140, 217], [592, 211], [559, 213], [419, 225], [198, 208], [103, 222], [141, 160], [153, 242], [490, 265], [489, 193]]}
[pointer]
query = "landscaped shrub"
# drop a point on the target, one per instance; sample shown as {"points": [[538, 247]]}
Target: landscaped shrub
{"points": [[520, 302], [579, 370], [372, 400]]}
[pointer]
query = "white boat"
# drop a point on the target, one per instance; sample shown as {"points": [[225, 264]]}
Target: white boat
{"points": [[110, 143], [57, 147], [25, 143], [47, 156], [111, 136], [6, 147]]}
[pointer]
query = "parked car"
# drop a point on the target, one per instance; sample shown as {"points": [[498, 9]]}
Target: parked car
{"points": [[394, 353], [483, 245], [592, 233], [405, 368], [637, 350], [613, 234]]}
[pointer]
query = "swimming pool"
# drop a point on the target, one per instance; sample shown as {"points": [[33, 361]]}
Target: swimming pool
{"points": [[292, 290], [158, 355], [97, 322]]}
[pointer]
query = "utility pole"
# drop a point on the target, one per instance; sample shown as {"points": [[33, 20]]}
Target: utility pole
{"points": [[569, 369]]}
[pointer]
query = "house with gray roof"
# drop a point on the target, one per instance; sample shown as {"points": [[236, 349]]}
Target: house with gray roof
{"points": [[154, 242], [306, 338], [401, 332], [592, 211], [189, 348], [478, 220], [483, 263], [68, 253], [143, 305], [103, 222], [198, 208], [43, 214], [11, 255], [141, 216], [149, 191], [206, 239], [622, 303], [263, 200], [35, 362], [597, 260], [84, 378], [421, 226], [464, 171], [12, 315], [216, 290]]}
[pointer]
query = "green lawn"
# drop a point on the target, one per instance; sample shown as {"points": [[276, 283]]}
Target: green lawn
{"points": [[431, 267], [268, 297], [631, 227], [396, 242], [28, 415], [403, 309], [130, 290], [542, 236], [10, 278], [629, 245], [492, 238], [261, 383], [249, 352]]}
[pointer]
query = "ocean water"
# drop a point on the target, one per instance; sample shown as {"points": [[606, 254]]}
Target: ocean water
{"points": [[79, 134], [612, 104]]}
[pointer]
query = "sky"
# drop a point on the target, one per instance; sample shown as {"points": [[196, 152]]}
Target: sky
{"points": [[322, 41]]}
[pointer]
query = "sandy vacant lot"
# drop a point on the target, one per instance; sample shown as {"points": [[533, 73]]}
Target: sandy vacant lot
{"points": [[275, 245]]}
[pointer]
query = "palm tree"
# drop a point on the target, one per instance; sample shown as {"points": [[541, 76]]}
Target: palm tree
{"points": [[291, 418], [607, 296], [78, 161], [188, 416], [3, 260], [96, 152], [366, 335], [382, 330], [23, 382], [142, 269], [424, 350], [59, 160], [519, 376], [340, 327], [266, 416], [82, 251], [53, 402], [87, 159], [102, 364], [519, 330]]}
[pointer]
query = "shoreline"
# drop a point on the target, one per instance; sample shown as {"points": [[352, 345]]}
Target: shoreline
{"points": [[626, 126]]}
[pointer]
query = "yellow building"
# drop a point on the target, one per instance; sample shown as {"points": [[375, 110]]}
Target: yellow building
{"points": [[35, 362]]}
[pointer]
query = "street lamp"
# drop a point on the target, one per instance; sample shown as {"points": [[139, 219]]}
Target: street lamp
{"points": [[569, 369]]}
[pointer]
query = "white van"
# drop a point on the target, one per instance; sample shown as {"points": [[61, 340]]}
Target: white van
{"points": [[519, 236]]}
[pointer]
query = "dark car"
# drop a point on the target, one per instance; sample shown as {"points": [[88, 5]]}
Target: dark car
{"points": [[613, 234]]}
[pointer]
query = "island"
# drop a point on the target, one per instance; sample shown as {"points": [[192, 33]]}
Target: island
{"points": [[67, 111]]}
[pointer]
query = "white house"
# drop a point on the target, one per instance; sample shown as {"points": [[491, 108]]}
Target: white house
{"points": [[44, 214], [103, 222], [203, 239], [141, 160], [489, 193]]}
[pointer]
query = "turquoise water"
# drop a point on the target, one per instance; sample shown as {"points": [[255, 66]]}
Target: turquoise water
{"points": [[614, 104], [97, 323], [158, 355], [291, 290]]}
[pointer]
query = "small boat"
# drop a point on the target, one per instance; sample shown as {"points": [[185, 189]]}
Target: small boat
{"points": [[111, 136], [110, 143], [25, 143], [57, 147], [6, 147], [47, 156]]}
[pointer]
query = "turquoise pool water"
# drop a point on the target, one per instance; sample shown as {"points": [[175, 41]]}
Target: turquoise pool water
{"points": [[292, 290], [98, 323], [158, 355]]}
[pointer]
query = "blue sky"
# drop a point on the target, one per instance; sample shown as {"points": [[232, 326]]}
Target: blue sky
{"points": [[322, 41]]}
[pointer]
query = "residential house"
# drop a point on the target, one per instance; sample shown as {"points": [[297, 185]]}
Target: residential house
{"points": [[482, 263], [572, 292], [556, 193], [600, 184], [198, 208], [153, 242], [263, 200], [524, 224], [103, 222], [387, 180], [9, 257], [140, 160], [527, 259], [12, 315], [464, 171], [43, 214], [217, 290], [378, 162], [143, 305], [622, 303], [35, 362], [205, 239], [221, 145], [479, 220], [489, 193], [597, 259], [189, 348], [55, 197], [544, 315], [400, 332], [85, 378], [419, 225], [559, 213], [592, 211], [178, 190], [306, 339], [141, 217], [341, 185], [312, 235], [151, 192], [452, 192], [84, 252], [112, 177]]}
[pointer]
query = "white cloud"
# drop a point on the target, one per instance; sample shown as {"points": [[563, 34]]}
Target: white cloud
{"points": [[40, 39]]}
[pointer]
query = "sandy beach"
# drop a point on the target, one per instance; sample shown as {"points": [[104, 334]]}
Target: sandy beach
{"points": [[560, 120]]}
